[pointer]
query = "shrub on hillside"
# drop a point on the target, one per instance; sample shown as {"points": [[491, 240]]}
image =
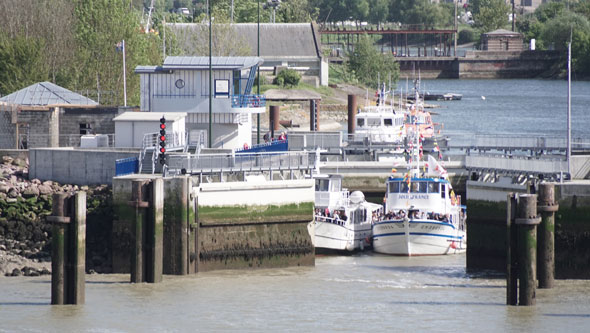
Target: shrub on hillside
{"points": [[287, 78]]}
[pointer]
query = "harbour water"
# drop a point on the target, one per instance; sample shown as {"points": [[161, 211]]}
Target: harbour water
{"points": [[363, 292]]}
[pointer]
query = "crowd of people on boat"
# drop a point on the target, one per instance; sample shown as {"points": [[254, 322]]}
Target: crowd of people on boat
{"points": [[325, 215]]}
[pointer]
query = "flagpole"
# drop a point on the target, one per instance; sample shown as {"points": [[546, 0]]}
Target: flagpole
{"points": [[124, 76]]}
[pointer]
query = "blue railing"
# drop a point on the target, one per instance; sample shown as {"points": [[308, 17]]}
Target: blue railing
{"points": [[273, 146], [248, 101], [126, 166]]}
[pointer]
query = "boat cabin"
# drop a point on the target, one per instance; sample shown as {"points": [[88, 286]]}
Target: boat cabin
{"points": [[379, 124], [432, 194], [329, 192]]}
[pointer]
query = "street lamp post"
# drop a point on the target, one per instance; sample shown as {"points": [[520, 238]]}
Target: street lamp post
{"points": [[210, 75]]}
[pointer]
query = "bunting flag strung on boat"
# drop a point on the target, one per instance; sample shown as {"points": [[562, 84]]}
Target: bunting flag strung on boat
{"points": [[435, 168]]}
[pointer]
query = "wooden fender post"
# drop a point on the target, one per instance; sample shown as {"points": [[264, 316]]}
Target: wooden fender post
{"points": [[139, 231], [511, 254], [527, 221], [546, 234]]}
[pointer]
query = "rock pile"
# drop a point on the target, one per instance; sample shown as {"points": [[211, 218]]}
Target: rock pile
{"points": [[25, 235]]}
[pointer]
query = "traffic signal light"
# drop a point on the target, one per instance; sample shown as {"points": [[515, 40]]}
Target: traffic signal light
{"points": [[162, 140]]}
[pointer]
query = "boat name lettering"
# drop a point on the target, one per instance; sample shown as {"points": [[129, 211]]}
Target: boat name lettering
{"points": [[413, 196]]}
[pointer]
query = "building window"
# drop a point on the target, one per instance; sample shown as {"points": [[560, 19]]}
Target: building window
{"points": [[179, 83], [527, 3], [85, 128]]}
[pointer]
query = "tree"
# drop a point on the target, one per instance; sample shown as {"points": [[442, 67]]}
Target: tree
{"points": [[368, 64], [22, 62], [490, 15]]}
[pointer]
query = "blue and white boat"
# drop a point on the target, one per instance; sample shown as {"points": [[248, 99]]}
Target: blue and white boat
{"points": [[423, 216]]}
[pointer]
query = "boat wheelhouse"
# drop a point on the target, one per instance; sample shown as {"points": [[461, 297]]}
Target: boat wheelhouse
{"points": [[379, 124], [343, 221]]}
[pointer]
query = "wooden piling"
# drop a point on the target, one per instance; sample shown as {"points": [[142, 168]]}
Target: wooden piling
{"points": [[155, 236], [76, 265], [139, 231], [68, 255], [527, 220], [511, 253], [352, 104], [273, 119], [546, 235], [58, 248]]}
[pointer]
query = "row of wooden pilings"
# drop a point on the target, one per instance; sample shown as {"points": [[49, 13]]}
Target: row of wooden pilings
{"points": [[68, 261], [314, 116], [530, 244]]}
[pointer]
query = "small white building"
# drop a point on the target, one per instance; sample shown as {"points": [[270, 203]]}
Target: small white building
{"points": [[181, 84], [130, 127]]}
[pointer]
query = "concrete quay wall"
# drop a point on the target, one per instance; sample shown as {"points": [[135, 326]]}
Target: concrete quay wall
{"points": [[486, 227], [481, 65], [229, 225]]}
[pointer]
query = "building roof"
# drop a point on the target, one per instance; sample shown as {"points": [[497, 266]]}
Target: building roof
{"points": [[46, 93], [503, 32], [202, 63], [276, 39], [149, 116]]}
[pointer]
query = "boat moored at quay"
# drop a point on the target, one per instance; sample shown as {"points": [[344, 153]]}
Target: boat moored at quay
{"points": [[343, 221]]}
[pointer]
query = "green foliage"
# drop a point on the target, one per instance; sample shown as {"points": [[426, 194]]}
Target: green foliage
{"points": [[490, 15], [22, 63], [466, 36], [367, 63], [341, 74], [287, 78]]}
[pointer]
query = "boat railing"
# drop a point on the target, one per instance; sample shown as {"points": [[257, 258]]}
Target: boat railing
{"points": [[327, 219]]}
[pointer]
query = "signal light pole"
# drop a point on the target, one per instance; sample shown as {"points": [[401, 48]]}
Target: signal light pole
{"points": [[162, 140]]}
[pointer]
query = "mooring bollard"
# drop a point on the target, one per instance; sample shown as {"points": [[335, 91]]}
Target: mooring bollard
{"points": [[511, 253], [526, 221], [546, 235], [68, 255], [147, 256]]}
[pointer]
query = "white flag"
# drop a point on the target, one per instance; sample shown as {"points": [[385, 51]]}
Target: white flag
{"points": [[435, 168]]}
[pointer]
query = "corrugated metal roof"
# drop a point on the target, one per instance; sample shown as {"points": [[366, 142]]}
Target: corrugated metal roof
{"points": [[216, 62], [46, 93], [276, 40]]}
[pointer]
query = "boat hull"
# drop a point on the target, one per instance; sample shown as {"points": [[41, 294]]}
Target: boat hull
{"points": [[342, 237], [417, 237]]}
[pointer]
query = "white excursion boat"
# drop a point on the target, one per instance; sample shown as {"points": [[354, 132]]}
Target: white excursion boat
{"points": [[380, 124], [423, 216], [343, 221]]}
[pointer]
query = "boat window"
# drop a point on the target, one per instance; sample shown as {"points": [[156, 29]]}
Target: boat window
{"points": [[360, 122], [432, 187], [374, 122], [419, 187], [321, 185], [442, 191], [335, 185], [403, 188], [394, 187], [388, 121]]}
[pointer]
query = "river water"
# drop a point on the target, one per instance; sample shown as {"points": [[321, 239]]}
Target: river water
{"points": [[363, 292]]}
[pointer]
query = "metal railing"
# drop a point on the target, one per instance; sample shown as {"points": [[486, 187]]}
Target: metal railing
{"points": [[313, 140], [26, 141], [244, 162], [516, 142], [515, 164], [248, 101]]}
